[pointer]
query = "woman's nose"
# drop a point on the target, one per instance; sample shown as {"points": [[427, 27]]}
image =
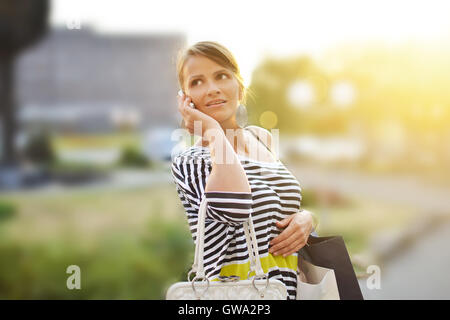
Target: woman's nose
{"points": [[213, 89]]}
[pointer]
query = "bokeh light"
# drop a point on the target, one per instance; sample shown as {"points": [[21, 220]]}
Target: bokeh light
{"points": [[268, 119], [301, 94], [343, 94]]}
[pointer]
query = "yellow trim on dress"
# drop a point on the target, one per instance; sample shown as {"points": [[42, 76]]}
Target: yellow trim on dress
{"points": [[267, 263]]}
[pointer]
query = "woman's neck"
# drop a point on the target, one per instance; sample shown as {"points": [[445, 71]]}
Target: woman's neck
{"points": [[235, 135]]}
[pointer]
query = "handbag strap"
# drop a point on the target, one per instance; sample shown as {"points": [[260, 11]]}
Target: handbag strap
{"points": [[252, 243], [250, 236]]}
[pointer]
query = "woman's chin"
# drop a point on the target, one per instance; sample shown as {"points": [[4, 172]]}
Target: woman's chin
{"points": [[219, 114]]}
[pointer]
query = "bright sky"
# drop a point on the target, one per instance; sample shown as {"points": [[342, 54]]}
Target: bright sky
{"points": [[253, 28]]}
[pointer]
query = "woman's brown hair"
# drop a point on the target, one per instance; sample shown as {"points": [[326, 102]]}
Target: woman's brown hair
{"points": [[215, 52]]}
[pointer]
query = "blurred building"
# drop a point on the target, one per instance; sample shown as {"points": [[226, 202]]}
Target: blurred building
{"points": [[81, 81]]}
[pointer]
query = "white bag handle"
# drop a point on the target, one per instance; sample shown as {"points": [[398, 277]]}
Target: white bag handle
{"points": [[252, 244]]}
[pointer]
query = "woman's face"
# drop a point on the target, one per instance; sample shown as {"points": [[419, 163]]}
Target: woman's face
{"points": [[206, 81]]}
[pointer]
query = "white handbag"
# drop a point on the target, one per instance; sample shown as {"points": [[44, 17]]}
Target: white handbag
{"points": [[227, 288], [316, 283]]}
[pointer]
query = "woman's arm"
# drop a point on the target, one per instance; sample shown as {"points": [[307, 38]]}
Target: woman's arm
{"points": [[190, 174], [227, 173], [224, 184]]}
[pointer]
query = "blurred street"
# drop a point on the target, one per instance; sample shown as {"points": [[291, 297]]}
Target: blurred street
{"points": [[117, 180], [418, 273]]}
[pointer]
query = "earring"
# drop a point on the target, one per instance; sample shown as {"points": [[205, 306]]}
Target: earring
{"points": [[241, 116]]}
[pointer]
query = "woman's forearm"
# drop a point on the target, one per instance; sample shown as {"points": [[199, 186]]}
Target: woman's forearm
{"points": [[227, 173]]}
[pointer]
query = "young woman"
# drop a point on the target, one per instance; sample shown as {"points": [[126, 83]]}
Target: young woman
{"points": [[238, 172]]}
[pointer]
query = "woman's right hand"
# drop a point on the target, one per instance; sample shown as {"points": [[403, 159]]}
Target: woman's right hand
{"points": [[190, 115]]}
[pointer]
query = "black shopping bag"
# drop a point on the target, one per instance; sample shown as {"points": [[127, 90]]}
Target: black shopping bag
{"points": [[331, 252]]}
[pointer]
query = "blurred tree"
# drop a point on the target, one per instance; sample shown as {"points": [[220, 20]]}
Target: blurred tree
{"points": [[22, 23], [403, 100], [133, 157], [398, 103], [39, 149], [271, 83]]}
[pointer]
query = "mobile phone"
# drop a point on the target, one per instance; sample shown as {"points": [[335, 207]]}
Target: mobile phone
{"points": [[180, 93]]}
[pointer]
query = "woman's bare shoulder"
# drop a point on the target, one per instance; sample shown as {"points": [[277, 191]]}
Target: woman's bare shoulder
{"points": [[265, 136], [260, 131]]}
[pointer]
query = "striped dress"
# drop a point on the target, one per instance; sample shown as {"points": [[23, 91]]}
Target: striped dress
{"points": [[275, 194]]}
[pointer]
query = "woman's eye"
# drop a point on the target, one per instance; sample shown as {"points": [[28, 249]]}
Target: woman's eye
{"points": [[194, 82]]}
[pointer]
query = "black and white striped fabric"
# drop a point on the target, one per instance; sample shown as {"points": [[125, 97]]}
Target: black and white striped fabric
{"points": [[275, 194]]}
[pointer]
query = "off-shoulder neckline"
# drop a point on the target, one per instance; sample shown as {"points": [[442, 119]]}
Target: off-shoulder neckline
{"points": [[278, 162]]}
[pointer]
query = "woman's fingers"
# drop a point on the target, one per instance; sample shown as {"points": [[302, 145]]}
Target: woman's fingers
{"points": [[289, 242], [294, 250], [283, 237], [183, 108], [182, 104], [192, 115], [291, 247], [285, 222], [292, 238]]}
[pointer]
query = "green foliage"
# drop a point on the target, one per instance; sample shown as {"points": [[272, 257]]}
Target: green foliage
{"points": [[132, 157], [129, 244], [7, 211], [270, 84], [39, 149], [79, 167], [406, 85], [398, 105], [119, 266]]}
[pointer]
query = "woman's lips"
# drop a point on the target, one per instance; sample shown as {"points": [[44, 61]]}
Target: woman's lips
{"points": [[216, 105]]}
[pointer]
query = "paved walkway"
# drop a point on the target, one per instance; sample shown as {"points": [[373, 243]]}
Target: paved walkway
{"points": [[419, 273]]}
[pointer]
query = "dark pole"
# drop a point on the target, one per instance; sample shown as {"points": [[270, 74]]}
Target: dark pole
{"points": [[22, 24], [8, 125]]}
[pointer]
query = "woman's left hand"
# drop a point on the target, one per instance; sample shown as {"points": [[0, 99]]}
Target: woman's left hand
{"points": [[297, 226]]}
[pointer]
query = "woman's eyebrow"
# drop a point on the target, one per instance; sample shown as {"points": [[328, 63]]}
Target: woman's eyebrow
{"points": [[200, 75]]}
